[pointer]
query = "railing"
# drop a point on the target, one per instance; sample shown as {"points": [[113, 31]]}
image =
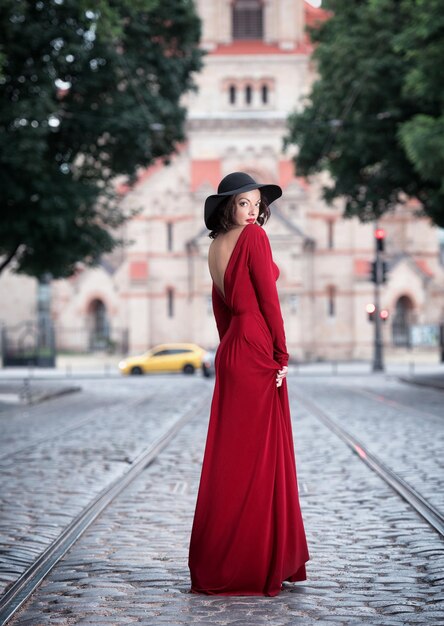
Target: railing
{"points": [[25, 344], [85, 341]]}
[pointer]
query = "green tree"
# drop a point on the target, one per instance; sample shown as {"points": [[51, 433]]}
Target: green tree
{"points": [[88, 91], [422, 136], [374, 119]]}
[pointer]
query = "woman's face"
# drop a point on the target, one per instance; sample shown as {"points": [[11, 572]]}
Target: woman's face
{"points": [[246, 207]]}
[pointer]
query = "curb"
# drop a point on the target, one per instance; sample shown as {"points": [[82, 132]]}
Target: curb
{"points": [[27, 396], [422, 383], [35, 399]]}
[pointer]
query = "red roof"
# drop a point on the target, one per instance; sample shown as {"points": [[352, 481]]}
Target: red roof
{"points": [[147, 172], [141, 176], [314, 16], [257, 46]]}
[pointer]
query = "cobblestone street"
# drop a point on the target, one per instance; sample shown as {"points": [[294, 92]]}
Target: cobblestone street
{"points": [[374, 560], [56, 456]]}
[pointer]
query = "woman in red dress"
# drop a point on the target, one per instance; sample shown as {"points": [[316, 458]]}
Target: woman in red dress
{"points": [[248, 534]]}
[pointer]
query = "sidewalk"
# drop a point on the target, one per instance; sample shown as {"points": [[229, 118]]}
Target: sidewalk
{"points": [[69, 366], [419, 368], [433, 380], [106, 365], [31, 391]]}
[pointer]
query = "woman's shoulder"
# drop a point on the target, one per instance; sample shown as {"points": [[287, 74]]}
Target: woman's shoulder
{"points": [[255, 236], [254, 231]]}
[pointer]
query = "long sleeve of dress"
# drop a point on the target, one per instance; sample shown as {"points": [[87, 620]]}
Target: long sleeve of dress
{"points": [[221, 312], [260, 264]]}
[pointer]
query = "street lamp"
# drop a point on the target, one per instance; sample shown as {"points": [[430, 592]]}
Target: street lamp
{"points": [[379, 270]]}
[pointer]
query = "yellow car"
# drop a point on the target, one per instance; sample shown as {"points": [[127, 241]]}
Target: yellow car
{"points": [[168, 357]]}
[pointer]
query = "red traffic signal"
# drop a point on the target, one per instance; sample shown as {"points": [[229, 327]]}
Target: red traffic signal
{"points": [[384, 315], [380, 239]]}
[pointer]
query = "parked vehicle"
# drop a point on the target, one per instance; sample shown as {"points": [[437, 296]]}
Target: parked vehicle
{"points": [[208, 363], [168, 357]]}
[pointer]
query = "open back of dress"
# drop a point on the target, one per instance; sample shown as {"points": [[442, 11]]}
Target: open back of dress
{"points": [[248, 534]]}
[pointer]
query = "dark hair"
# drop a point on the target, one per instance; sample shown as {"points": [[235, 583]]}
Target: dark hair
{"points": [[223, 219]]}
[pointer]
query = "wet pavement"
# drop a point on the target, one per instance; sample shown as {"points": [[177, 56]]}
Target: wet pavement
{"points": [[373, 559]]}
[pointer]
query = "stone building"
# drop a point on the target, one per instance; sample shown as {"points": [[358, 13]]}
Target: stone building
{"points": [[158, 288]]}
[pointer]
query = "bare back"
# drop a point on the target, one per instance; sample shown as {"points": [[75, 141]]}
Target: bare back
{"points": [[219, 255]]}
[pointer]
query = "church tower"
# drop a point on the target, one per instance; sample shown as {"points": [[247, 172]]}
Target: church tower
{"points": [[255, 72]]}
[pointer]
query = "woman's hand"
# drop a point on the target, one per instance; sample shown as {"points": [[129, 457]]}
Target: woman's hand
{"points": [[281, 375]]}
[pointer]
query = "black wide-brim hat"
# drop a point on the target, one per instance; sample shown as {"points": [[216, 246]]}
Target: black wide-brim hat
{"points": [[232, 185]]}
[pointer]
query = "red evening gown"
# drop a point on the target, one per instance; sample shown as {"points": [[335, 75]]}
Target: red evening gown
{"points": [[248, 534]]}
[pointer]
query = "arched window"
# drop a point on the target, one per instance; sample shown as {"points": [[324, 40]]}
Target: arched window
{"points": [[264, 94], [402, 321], [248, 94], [232, 94], [247, 19], [98, 325]]}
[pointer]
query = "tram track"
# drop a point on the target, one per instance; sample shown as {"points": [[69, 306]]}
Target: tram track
{"points": [[19, 591], [421, 505], [385, 400]]}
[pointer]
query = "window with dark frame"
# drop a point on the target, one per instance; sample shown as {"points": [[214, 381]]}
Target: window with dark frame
{"points": [[264, 94], [331, 301], [169, 236], [170, 301], [248, 94], [247, 19], [232, 94], [330, 234]]}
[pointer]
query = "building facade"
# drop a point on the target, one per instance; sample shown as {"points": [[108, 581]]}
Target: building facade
{"points": [[157, 289]]}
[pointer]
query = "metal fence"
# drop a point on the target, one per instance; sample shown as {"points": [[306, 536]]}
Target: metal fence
{"points": [[84, 341], [29, 343]]}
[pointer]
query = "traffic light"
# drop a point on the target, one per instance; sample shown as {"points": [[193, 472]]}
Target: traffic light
{"points": [[370, 308], [383, 272], [384, 315], [380, 239]]}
